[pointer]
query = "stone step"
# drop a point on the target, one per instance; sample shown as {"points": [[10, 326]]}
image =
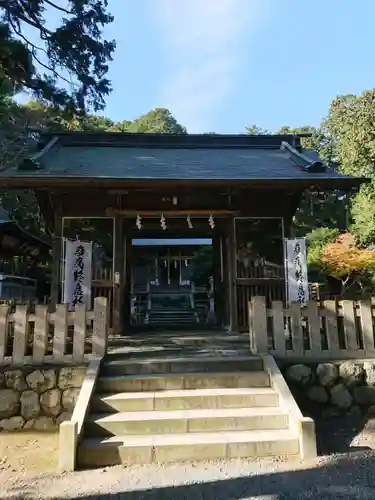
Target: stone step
{"points": [[178, 381], [180, 421], [117, 450], [171, 309], [185, 400], [171, 314], [182, 337], [175, 322], [181, 365]]}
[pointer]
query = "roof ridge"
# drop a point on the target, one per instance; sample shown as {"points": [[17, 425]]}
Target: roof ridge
{"points": [[32, 161], [302, 160], [188, 141]]}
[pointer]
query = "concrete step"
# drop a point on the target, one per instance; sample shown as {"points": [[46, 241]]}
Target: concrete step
{"points": [[213, 338], [185, 400], [198, 380], [179, 321], [180, 421], [181, 365], [171, 310], [116, 450], [169, 322], [171, 314]]}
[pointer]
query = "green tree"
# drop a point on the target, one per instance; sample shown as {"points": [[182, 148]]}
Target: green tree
{"points": [[309, 135], [316, 209], [350, 127], [122, 126], [353, 266], [319, 210], [363, 214], [158, 121], [69, 64], [15, 136], [316, 241], [255, 130]]}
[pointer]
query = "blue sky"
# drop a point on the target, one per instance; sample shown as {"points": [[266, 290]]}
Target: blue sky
{"points": [[220, 65]]}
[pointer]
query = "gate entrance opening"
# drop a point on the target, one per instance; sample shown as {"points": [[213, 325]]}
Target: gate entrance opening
{"points": [[172, 283]]}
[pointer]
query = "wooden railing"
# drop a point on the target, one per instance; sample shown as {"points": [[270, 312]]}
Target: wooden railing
{"points": [[272, 290], [35, 335], [102, 284], [329, 329]]}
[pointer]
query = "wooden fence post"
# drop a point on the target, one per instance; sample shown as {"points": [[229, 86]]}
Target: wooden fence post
{"points": [[80, 328], [367, 327], [4, 310], [258, 325], [60, 332], [21, 328], [278, 328], [100, 327], [40, 333]]}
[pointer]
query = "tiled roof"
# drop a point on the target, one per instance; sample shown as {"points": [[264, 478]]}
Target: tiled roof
{"points": [[162, 157]]}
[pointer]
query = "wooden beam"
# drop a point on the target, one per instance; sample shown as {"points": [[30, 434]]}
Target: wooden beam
{"points": [[112, 212], [118, 291], [232, 292]]}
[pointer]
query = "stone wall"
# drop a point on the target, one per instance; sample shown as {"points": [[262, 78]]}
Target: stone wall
{"points": [[38, 398], [333, 389]]}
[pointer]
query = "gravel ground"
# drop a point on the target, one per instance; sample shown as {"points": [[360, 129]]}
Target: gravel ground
{"points": [[348, 472], [338, 477]]}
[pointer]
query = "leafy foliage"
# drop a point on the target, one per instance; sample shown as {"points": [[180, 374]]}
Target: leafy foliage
{"points": [[363, 213], [350, 141], [317, 240], [157, 121], [320, 210], [309, 135], [202, 264], [15, 137], [68, 66], [349, 128], [255, 130], [348, 263]]}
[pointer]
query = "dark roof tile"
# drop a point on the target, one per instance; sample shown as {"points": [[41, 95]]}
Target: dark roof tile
{"points": [[162, 157]]}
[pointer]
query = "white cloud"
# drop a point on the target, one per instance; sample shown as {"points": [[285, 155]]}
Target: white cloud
{"points": [[205, 43]]}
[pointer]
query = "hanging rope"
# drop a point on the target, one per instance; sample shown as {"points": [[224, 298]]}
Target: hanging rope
{"points": [[163, 222]]}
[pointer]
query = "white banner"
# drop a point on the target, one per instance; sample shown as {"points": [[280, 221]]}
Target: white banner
{"points": [[296, 270], [77, 273]]}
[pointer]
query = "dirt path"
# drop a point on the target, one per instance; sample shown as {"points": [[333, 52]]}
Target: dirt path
{"points": [[345, 469], [27, 454]]}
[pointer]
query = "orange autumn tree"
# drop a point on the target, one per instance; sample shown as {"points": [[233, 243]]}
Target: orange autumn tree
{"points": [[346, 262]]}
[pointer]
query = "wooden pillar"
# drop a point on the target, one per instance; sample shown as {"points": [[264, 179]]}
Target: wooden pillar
{"points": [[126, 281], [56, 260], [231, 256], [217, 275], [118, 275]]}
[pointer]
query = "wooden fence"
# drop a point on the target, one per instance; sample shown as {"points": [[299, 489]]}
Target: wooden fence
{"points": [[328, 329], [35, 335]]}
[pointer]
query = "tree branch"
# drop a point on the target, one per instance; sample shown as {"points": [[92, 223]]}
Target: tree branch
{"points": [[35, 24], [48, 68], [18, 33], [58, 7], [34, 49]]}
